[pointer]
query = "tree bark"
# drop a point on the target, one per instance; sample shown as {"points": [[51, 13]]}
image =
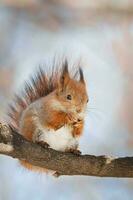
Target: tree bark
{"points": [[15, 145]]}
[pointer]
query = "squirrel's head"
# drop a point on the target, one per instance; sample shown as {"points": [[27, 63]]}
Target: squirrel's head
{"points": [[71, 93]]}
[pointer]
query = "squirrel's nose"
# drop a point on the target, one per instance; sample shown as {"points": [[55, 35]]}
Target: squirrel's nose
{"points": [[78, 110]]}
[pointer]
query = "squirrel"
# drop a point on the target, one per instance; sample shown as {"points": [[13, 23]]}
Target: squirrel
{"points": [[51, 109]]}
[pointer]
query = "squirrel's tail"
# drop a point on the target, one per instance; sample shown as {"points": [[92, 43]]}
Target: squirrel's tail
{"points": [[40, 85]]}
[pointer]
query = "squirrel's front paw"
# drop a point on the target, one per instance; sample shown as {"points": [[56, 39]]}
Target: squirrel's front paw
{"points": [[74, 151], [71, 118], [78, 123], [43, 144]]}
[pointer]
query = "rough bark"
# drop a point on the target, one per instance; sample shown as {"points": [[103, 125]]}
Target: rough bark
{"points": [[14, 145]]}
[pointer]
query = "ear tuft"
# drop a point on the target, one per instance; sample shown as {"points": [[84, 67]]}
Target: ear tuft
{"points": [[65, 74], [65, 68], [81, 75]]}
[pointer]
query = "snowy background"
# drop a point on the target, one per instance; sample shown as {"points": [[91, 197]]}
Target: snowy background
{"points": [[100, 35]]}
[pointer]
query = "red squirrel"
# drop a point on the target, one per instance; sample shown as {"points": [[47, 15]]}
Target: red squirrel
{"points": [[51, 109]]}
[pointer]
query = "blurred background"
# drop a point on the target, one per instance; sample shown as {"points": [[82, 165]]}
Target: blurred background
{"points": [[97, 33]]}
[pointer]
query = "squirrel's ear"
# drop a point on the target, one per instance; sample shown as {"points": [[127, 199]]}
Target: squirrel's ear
{"points": [[81, 75], [65, 69], [65, 75]]}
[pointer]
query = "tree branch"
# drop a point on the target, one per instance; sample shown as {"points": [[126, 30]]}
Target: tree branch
{"points": [[14, 145]]}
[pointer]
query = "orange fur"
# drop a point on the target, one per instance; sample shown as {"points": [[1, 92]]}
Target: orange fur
{"points": [[45, 103], [28, 126], [78, 129], [35, 168]]}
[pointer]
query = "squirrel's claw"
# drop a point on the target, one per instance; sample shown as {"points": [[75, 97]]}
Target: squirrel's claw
{"points": [[56, 174], [74, 151], [43, 144]]}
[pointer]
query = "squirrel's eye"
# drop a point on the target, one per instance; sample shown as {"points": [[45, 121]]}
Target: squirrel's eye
{"points": [[87, 100], [69, 97]]}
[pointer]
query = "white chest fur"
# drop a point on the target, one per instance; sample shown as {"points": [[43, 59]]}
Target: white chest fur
{"points": [[60, 139]]}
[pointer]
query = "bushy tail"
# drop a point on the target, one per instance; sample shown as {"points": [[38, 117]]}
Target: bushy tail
{"points": [[40, 85]]}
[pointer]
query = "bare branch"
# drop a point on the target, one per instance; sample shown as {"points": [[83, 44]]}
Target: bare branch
{"points": [[14, 145]]}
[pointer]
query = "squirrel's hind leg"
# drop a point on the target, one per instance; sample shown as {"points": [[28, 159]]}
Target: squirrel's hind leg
{"points": [[37, 138], [74, 151]]}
